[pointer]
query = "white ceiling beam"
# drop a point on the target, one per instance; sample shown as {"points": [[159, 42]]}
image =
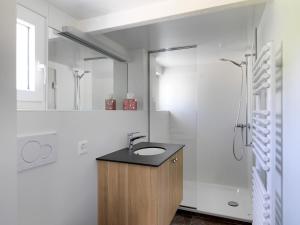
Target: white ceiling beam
{"points": [[157, 12]]}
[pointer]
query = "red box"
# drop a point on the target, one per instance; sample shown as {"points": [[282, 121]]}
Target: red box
{"points": [[130, 104]]}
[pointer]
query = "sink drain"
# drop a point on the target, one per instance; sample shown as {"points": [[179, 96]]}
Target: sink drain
{"points": [[233, 204]]}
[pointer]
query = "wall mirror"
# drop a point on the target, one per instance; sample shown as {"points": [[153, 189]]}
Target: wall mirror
{"points": [[55, 72], [80, 78]]}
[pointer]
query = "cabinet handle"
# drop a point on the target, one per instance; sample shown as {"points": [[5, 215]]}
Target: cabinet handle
{"points": [[175, 160]]}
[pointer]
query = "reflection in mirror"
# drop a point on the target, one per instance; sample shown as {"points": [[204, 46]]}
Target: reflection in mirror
{"points": [[80, 78]]}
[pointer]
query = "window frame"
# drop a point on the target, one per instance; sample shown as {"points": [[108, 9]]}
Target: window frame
{"points": [[35, 99], [31, 56]]}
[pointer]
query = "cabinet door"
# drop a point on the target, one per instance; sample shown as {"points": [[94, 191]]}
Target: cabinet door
{"points": [[142, 195], [173, 180], [164, 206], [113, 194], [176, 181], [179, 177]]}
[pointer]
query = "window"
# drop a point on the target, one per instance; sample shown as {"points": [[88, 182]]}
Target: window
{"points": [[25, 56], [31, 58]]}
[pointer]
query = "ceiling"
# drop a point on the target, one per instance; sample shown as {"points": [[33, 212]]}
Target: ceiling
{"points": [[83, 9], [223, 28]]}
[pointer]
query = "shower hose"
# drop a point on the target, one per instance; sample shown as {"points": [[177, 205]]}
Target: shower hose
{"points": [[239, 125]]}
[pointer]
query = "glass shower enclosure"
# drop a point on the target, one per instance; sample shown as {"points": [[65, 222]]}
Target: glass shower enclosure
{"points": [[193, 101]]}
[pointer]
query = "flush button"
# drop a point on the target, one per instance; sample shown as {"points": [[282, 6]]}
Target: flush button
{"points": [[46, 151], [36, 150], [31, 151]]}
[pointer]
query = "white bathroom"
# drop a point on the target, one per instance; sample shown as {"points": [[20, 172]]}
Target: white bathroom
{"points": [[149, 112]]}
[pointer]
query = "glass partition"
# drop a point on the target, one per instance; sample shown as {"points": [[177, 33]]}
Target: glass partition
{"points": [[173, 104]]}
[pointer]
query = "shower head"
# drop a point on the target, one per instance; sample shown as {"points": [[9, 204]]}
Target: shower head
{"points": [[80, 73], [233, 62]]}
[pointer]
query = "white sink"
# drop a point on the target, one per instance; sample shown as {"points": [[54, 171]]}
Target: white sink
{"points": [[150, 151]]}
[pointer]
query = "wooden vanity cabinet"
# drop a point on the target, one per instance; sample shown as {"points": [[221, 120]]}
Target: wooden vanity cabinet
{"points": [[175, 182], [131, 194]]}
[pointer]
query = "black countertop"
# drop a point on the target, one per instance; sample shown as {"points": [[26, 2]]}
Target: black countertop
{"points": [[125, 156]]}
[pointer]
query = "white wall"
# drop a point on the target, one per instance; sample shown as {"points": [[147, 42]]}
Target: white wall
{"points": [[8, 172], [160, 127], [291, 120], [103, 81], [280, 24], [102, 88], [65, 86], [66, 192], [291, 110], [138, 77], [56, 18], [120, 83], [218, 96]]}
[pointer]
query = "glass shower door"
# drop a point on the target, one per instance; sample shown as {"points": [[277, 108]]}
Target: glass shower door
{"points": [[193, 101], [173, 114]]}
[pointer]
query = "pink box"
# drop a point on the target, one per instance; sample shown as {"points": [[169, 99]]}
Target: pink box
{"points": [[110, 104], [130, 104]]}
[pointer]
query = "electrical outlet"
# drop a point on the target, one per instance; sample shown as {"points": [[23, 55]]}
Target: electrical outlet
{"points": [[82, 147]]}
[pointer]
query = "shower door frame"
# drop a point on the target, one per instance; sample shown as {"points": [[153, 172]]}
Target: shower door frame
{"points": [[189, 208], [149, 92]]}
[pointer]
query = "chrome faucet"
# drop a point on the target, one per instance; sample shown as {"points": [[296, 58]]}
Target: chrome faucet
{"points": [[132, 138]]}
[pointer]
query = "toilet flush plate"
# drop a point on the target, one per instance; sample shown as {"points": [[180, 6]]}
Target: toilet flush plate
{"points": [[36, 150]]}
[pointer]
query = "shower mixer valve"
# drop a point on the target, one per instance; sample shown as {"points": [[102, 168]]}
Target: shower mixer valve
{"points": [[248, 127], [241, 125]]}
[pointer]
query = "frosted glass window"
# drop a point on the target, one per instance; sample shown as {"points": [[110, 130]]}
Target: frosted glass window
{"points": [[25, 56]]}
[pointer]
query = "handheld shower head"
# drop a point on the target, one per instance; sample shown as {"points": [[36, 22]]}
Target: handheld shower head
{"points": [[80, 73], [233, 62]]}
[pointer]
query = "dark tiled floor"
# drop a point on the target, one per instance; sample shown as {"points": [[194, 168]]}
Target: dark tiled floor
{"points": [[188, 218]]}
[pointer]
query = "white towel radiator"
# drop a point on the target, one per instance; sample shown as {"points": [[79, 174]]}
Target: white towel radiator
{"points": [[267, 138]]}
